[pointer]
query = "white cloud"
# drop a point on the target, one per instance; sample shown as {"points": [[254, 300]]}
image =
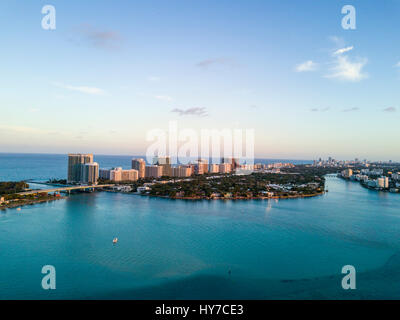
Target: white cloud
{"points": [[164, 98], [337, 40], [351, 109], [82, 89], [216, 61], [347, 70], [153, 78], [89, 35], [306, 66], [201, 112], [390, 109], [21, 129], [320, 109], [397, 65], [343, 50]]}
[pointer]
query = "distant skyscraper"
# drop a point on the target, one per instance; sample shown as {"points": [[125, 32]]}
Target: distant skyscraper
{"points": [[140, 166], [75, 164]]}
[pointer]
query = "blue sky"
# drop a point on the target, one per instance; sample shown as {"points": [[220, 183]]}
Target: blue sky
{"points": [[112, 70]]}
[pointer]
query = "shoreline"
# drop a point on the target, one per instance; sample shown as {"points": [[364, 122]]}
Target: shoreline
{"points": [[238, 198], [362, 184], [29, 202]]}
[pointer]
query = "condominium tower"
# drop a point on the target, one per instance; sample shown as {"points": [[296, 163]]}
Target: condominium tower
{"points": [[90, 173], [140, 166], [75, 165]]}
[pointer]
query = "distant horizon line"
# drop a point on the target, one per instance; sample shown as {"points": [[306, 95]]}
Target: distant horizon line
{"points": [[143, 156], [128, 155]]}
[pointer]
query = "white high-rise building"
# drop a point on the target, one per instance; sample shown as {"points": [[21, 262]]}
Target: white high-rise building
{"points": [[383, 182], [386, 182]]}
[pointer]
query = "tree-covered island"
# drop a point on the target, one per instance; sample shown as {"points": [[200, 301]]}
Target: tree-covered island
{"points": [[292, 183], [10, 196]]}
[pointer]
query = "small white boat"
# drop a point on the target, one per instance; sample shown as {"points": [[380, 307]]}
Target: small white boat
{"points": [[18, 209], [115, 240]]}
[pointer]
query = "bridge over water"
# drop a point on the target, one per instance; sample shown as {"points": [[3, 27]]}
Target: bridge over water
{"points": [[65, 189]]}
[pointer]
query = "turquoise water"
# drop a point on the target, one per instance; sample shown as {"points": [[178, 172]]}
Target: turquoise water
{"points": [[175, 249]]}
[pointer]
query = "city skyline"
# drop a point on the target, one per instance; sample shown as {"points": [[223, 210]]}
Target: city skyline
{"points": [[109, 74]]}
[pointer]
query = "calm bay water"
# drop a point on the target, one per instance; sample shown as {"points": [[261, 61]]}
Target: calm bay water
{"points": [[168, 249]]}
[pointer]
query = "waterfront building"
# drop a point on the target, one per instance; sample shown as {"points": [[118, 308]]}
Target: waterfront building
{"points": [[75, 164], [116, 174], [380, 182], [104, 174], [386, 182], [143, 189], [165, 164], [383, 182], [154, 171], [372, 183], [122, 188], [90, 173], [140, 166], [130, 175]]}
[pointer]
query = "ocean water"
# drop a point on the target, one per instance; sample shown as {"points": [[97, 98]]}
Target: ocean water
{"points": [[17, 167], [177, 249]]}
